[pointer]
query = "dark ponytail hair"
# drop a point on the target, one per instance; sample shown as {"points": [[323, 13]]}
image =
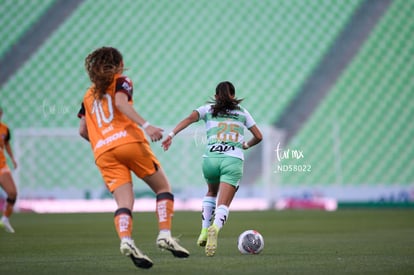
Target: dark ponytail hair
{"points": [[225, 100]]}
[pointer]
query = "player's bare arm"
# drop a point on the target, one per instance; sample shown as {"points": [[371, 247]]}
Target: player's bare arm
{"points": [[10, 152], [257, 137], [193, 117], [122, 104]]}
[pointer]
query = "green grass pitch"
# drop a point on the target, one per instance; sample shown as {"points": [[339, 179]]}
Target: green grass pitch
{"points": [[357, 241]]}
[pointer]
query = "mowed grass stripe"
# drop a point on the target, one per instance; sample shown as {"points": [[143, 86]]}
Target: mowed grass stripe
{"points": [[357, 241]]}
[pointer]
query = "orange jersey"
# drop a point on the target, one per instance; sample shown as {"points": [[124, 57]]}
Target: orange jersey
{"points": [[107, 126], [4, 138]]}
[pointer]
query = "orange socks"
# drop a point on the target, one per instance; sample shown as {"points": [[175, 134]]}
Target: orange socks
{"points": [[123, 222], [165, 210]]}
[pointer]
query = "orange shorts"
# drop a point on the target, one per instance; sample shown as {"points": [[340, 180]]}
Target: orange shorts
{"points": [[4, 168], [116, 164]]}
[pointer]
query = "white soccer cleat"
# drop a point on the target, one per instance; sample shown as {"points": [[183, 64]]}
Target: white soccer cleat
{"points": [[139, 259], [169, 243], [4, 222]]}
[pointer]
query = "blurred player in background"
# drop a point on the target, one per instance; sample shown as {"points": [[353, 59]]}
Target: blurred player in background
{"points": [[6, 179], [109, 122], [223, 158]]}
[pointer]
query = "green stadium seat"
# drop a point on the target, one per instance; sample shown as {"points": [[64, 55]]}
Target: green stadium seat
{"points": [[16, 17]]}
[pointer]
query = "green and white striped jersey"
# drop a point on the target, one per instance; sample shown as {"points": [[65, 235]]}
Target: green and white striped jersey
{"points": [[225, 133]]}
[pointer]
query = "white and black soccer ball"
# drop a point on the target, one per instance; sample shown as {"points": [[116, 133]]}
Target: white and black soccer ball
{"points": [[250, 242]]}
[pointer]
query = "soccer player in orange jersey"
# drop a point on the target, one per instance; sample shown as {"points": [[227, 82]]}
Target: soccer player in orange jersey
{"points": [[6, 179], [109, 122]]}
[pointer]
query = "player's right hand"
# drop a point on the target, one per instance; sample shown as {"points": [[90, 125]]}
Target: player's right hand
{"points": [[154, 133]]}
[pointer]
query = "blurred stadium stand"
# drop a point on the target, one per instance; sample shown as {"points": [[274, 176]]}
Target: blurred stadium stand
{"points": [[35, 22]]}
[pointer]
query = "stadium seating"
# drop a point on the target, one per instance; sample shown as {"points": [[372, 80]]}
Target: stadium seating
{"points": [[16, 18], [180, 51], [361, 133]]}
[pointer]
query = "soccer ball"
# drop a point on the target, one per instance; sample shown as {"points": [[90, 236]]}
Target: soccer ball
{"points": [[250, 242]]}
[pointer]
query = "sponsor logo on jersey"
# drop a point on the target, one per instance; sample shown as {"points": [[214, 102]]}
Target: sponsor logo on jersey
{"points": [[221, 148], [110, 139]]}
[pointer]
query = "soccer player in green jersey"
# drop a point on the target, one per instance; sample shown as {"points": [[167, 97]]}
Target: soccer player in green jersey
{"points": [[223, 158]]}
